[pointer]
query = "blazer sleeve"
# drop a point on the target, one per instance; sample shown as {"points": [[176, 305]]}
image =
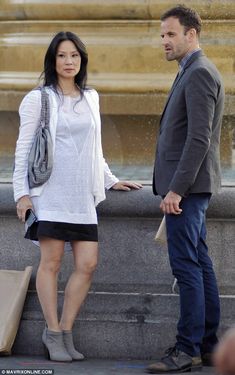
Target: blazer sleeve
{"points": [[200, 96], [29, 112]]}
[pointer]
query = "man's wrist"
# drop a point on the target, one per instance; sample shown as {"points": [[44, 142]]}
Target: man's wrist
{"points": [[173, 192]]}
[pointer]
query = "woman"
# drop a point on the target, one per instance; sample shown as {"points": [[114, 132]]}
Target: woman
{"points": [[65, 204]]}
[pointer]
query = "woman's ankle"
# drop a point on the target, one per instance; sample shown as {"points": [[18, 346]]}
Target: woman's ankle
{"points": [[65, 327], [53, 327]]}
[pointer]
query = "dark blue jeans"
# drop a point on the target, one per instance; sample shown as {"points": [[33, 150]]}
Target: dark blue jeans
{"points": [[192, 266]]}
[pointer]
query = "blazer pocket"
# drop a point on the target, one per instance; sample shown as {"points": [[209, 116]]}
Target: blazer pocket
{"points": [[173, 155]]}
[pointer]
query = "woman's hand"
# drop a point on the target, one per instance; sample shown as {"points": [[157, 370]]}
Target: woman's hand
{"points": [[23, 204], [126, 185]]}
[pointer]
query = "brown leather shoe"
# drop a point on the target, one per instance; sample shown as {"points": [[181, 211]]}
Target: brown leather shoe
{"points": [[175, 361]]}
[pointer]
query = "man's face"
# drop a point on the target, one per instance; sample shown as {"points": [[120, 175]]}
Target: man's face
{"points": [[175, 41]]}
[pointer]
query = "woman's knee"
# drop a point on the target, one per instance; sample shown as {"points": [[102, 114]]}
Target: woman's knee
{"points": [[87, 267], [52, 265], [85, 257], [51, 255]]}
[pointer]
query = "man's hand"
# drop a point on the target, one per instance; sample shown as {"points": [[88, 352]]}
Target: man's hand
{"points": [[126, 185], [170, 204], [224, 358]]}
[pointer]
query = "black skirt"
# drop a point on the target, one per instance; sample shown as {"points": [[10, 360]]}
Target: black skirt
{"points": [[62, 231]]}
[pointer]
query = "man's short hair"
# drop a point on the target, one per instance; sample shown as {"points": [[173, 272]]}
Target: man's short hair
{"points": [[187, 17]]}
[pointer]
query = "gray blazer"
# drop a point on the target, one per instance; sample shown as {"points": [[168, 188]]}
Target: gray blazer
{"points": [[187, 157]]}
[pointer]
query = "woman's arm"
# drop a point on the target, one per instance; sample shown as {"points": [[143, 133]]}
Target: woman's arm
{"points": [[112, 182], [109, 178], [29, 112]]}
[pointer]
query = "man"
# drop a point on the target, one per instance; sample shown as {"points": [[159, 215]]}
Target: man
{"points": [[186, 173]]}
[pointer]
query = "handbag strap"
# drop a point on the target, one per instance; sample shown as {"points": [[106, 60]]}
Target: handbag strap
{"points": [[45, 108]]}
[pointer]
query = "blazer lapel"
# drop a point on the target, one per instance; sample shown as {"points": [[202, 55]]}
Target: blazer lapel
{"points": [[179, 76], [175, 83]]}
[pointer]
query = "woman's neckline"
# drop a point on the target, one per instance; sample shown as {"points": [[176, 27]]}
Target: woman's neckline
{"points": [[74, 94], [72, 97]]}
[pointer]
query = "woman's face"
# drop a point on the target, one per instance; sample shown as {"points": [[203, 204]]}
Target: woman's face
{"points": [[68, 60]]}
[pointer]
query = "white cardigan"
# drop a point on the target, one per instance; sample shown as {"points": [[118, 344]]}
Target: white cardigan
{"points": [[29, 111]]}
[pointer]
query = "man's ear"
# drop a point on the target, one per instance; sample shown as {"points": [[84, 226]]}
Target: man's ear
{"points": [[192, 34]]}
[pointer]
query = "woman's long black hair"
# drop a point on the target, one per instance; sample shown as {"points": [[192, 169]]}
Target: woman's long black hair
{"points": [[50, 75]]}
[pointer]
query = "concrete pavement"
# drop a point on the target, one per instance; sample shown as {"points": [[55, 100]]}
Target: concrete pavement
{"points": [[37, 365]]}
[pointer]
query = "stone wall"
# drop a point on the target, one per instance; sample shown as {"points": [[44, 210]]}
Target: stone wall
{"points": [[130, 311]]}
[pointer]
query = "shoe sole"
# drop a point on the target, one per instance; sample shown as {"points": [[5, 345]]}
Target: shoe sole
{"points": [[187, 369]]}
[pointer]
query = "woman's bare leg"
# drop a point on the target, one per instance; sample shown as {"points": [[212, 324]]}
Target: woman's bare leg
{"points": [[52, 251], [85, 260]]}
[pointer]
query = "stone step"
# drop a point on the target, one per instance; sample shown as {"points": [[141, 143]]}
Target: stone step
{"points": [[120, 93], [113, 46], [115, 325], [133, 80], [130, 259], [130, 311], [112, 9], [113, 83]]}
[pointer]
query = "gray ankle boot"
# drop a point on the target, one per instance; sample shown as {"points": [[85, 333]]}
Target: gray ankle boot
{"points": [[54, 346], [68, 343]]}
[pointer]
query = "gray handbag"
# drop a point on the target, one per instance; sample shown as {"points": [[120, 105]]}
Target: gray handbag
{"points": [[40, 159]]}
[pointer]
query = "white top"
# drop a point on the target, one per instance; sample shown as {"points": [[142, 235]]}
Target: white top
{"points": [[68, 195], [29, 111]]}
